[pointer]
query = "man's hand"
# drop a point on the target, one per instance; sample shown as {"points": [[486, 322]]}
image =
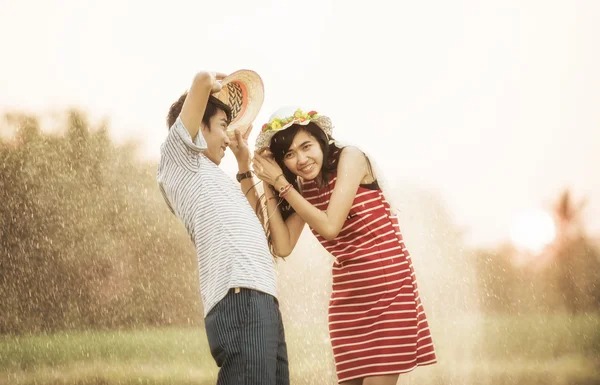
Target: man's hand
{"points": [[239, 147], [216, 78]]}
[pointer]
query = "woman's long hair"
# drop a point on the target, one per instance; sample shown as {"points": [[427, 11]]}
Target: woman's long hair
{"points": [[281, 143]]}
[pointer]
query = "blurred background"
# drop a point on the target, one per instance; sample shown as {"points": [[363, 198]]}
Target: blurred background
{"points": [[483, 116]]}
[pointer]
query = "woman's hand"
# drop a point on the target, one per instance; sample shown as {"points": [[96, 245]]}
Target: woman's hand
{"points": [[267, 170]]}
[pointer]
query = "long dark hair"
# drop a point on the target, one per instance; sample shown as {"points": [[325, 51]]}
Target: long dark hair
{"points": [[281, 143]]}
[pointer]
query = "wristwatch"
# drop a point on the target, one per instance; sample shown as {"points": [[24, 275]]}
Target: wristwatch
{"points": [[244, 175]]}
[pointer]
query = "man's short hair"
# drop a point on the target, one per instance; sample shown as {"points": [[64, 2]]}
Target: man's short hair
{"points": [[212, 107]]}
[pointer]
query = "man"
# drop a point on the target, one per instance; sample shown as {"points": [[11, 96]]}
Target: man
{"points": [[237, 276]]}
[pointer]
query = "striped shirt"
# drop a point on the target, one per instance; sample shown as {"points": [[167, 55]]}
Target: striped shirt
{"points": [[230, 242]]}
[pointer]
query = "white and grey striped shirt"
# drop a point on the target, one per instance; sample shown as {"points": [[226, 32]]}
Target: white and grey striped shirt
{"points": [[230, 241]]}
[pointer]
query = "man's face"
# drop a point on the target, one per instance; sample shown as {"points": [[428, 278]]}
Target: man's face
{"points": [[216, 137]]}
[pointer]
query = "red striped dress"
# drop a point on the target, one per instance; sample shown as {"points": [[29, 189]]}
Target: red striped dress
{"points": [[377, 324]]}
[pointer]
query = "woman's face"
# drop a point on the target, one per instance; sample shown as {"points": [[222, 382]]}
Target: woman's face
{"points": [[304, 157]]}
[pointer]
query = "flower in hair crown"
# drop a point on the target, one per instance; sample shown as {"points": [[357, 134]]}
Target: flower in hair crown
{"points": [[299, 116]]}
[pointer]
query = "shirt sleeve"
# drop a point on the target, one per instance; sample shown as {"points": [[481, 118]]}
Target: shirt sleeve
{"points": [[164, 195], [181, 149]]}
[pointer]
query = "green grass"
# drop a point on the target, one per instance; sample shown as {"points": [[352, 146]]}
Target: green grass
{"points": [[138, 346], [530, 336], [152, 356], [543, 336], [532, 349]]}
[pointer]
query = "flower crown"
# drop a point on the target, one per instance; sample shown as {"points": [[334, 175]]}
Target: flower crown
{"points": [[300, 116]]}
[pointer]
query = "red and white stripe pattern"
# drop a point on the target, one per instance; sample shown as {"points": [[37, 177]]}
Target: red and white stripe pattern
{"points": [[377, 323]]}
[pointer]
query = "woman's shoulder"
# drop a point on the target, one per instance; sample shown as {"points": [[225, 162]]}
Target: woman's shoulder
{"points": [[352, 155]]}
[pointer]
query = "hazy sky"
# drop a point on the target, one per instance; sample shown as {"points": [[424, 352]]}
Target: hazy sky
{"points": [[495, 104]]}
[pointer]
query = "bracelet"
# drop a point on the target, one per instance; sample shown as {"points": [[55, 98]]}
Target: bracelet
{"points": [[285, 190]]}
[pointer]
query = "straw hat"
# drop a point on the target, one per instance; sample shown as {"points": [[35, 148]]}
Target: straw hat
{"points": [[286, 117], [244, 92]]}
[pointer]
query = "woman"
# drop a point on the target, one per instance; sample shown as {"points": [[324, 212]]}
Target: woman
{"points": [[377, 324]]}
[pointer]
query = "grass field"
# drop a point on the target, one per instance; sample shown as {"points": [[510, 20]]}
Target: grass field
{"points": [[527, 350]]}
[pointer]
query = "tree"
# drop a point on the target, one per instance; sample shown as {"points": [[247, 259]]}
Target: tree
{"points": [[86, 239], [576, 260]]}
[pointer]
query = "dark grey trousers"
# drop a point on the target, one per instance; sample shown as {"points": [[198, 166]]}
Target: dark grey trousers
{"points": [[247, 340]]}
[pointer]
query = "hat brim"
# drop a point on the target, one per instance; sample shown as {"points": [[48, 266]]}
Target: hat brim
{"points": [[243, 91]]}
